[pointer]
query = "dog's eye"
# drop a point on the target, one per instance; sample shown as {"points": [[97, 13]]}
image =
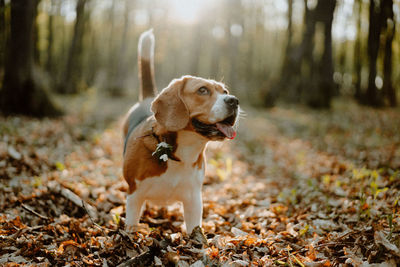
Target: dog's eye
{"points": [[225, 92], [203, 91]]}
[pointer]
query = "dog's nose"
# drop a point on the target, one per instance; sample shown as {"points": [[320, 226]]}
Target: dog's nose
{"points": [[232, 101]]}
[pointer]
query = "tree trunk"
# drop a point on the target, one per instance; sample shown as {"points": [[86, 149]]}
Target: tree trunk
{"points": [[20, 94], [289, 34], [304, 59], [357, 53], [62, 55], [317, 75], [375, 22], [326, 84], [36, 38], [287, 66], [93, 60], [73, 72], [50, 40], [389, 25], [3, 35], [111, 60], [289, 28]]}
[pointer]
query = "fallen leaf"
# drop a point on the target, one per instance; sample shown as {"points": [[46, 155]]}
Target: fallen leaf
{"points": [[380, 239]]}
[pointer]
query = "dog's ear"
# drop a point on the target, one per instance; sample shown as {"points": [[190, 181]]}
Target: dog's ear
{"points": [[169, 109]]}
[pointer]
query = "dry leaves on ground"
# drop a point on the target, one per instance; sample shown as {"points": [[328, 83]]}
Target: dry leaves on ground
{"points": [[297, 188]]}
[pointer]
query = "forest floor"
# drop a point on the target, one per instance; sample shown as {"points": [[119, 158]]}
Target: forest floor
{"points": [[296, 188]]}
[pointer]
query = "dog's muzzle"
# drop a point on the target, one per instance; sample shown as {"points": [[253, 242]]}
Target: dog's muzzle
{"points": [[222, 129]]}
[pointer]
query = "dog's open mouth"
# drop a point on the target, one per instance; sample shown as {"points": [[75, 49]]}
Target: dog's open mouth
{"points": [[220, 129]]}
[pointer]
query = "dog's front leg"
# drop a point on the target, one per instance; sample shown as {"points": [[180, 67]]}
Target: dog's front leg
{"points": [[134, 206], [193, 210]]}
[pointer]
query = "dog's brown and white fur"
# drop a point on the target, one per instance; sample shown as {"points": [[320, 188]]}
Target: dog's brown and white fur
{"points": [[187, 114]]}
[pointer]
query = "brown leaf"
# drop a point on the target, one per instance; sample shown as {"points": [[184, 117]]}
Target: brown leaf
{"points": [[67, 243], [198, 237]]}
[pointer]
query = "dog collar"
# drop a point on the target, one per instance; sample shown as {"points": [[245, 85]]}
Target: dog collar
{"points": [[164, 151]]}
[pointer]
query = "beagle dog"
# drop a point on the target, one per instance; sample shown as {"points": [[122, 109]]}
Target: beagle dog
{"points": [[166, 136]]}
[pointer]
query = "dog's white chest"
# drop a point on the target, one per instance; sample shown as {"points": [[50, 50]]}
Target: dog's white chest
{"points": [[178, 182], [182, 179]]}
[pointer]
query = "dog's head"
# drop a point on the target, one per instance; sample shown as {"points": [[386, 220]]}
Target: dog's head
{"points": [[203, 105]]}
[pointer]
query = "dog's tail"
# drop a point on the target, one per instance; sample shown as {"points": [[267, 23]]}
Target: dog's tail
{"points": [[146, 65]]}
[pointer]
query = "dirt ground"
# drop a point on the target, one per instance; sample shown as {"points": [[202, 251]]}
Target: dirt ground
{"points": [[296, 188]]}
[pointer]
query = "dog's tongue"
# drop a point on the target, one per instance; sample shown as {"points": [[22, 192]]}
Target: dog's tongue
{"points": [[226, 129]]}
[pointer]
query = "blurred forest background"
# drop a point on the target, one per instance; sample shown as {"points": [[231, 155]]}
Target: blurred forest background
{"points": [[305, 51]]}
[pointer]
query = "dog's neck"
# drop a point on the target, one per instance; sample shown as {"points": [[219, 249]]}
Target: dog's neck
{"points": [[190, 146]]}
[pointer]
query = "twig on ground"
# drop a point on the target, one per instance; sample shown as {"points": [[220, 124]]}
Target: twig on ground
{"points": [[74, 198], [91, 219], [27, 208]]}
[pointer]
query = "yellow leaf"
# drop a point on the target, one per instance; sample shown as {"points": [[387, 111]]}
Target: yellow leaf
{"points": [[60, 166], [298, 261], [116, 213], [396, 202], [304, 230], [326, 179], [116, 218], [374, 174], [221, 174], [361, 173], [37, 181]]}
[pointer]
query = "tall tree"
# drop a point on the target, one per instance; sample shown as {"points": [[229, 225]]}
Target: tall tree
{"points": [[20, 93], [36, 36], [304, 59], [289, 31], [73, 72], [288, 66], [375, 25], [389, 25], [3, 35], [112, 50], [289, 36], [381, 24], [50, 39], [93, 58], [357, 51], [308, 76], [61, 49], [321, 96]]}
